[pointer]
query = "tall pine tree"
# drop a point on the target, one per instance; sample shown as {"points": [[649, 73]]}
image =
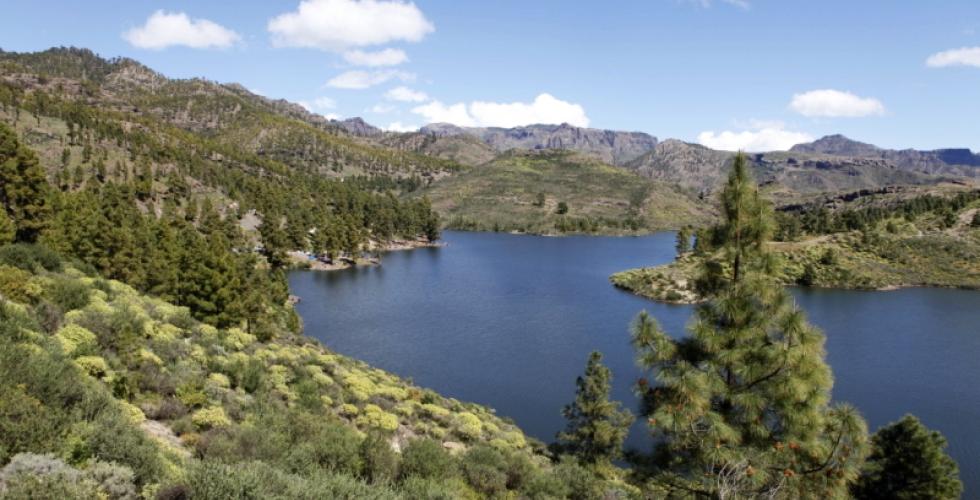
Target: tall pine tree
{"points": [[596, 426], [908, 461], [23, 187], [741, 404]]}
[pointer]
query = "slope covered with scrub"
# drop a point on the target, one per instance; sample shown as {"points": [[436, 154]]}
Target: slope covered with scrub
{"points": [[95, 375], [524, 191]]}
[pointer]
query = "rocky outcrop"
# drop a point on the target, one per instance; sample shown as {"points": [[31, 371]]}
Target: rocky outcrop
{"points": [[357, 126], [952, 161], [613, 147]]}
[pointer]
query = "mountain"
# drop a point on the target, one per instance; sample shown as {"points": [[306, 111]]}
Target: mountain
{"points": [[831, 164], [462, 148], [609, 146], [357, 126], [837, 145], [523, 191], [951, 161]]}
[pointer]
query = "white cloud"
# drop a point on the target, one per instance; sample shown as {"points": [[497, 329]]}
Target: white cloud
{"points": [[381, 108], [318, 104], [333, 116], [437, 112], [966, 56], [386, 57], [766, 136], [359, 79], [399, 127], [336, 25], [163, 29], [405, 94], [545, 109], [835, 103]]}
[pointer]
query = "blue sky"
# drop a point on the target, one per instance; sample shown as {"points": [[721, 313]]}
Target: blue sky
{"points": [[756, 74]]}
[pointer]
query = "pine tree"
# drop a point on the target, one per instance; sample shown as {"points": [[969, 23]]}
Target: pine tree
{"points": [[7, 230], [741, 404], [23, 187], [683, 244], [596, 426], [907, 461]]}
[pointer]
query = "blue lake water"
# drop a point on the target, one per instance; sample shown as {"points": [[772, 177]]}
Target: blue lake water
{"points": [[509, 320]]}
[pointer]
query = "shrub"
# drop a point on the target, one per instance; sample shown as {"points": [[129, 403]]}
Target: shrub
{"points": [[44, 476], [17, 285], [427, 459], [482, 467], [67, 293], [373, 416], [93, 365], [76, 340], [210, 418], [115, 481], [468, 425], [380, 461], [332, 446], [30, 257]]}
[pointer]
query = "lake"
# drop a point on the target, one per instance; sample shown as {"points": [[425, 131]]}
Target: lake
{"points": [[509, 320]]}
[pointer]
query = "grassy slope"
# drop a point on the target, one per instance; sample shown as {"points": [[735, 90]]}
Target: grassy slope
{"points": [[915, 253], [501, 195], [202, 383]]}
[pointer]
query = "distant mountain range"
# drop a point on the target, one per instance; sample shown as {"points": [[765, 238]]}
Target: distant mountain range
{"points": [[610, 146]]}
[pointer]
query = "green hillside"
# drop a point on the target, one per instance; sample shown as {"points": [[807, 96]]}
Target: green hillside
{"points": [[522, 191], [878, 241], [93, 373]]}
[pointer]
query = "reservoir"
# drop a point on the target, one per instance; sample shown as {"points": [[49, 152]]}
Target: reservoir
{"points": [[508, 321]]}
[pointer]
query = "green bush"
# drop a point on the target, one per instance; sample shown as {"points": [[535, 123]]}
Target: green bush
{"points": [[333, 447], [427, 459], [44, 477], [483, 468], [380, 461], [31, 258], [67, 293]]}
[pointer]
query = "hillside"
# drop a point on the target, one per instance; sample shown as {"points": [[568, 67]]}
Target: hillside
{"points": [[521, 191], [148, 344], [127, 394], [873, 240]]}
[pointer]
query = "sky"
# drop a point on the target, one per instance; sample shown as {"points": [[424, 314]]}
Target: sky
{"points": [[731, 74]]}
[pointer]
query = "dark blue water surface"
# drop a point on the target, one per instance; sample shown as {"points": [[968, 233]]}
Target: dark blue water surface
{"points": [[508, 321]]}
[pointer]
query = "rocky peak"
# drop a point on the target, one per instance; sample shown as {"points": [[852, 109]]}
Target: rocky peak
{"points": [[837, 145], [357, 126]]}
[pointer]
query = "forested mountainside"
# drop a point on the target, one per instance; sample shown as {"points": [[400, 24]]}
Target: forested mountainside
{"points": [[150, 182]]}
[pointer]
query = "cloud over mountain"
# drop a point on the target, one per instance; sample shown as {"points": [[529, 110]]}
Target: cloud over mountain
{"points": [[167, 29], [830, 103], [544, 109]]}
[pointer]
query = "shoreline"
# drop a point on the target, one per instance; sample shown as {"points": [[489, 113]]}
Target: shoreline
{"points": [[301, 260]]}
